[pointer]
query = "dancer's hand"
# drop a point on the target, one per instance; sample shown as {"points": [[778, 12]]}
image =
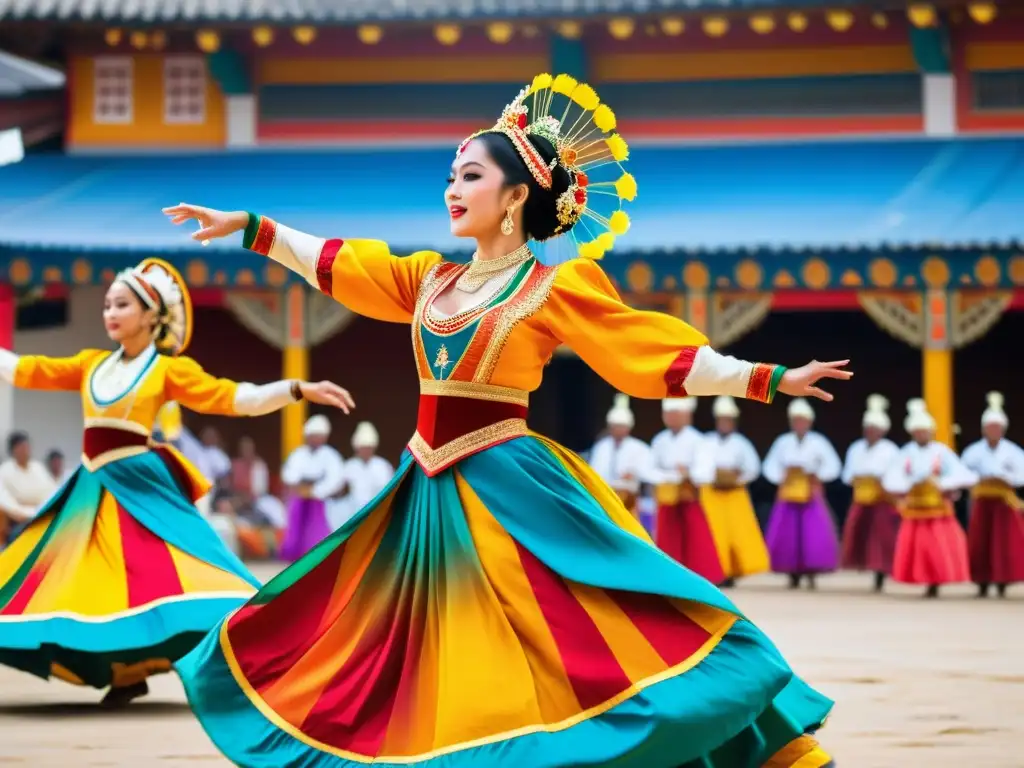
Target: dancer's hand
{"points": [[800, 382], [212, 223], [327, 393]]}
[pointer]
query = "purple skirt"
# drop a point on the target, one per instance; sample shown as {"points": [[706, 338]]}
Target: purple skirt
{"points": [[802, 537], [307, 527]]}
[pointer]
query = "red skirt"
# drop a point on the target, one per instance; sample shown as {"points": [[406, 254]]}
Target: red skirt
{"points": [[683, 533], [931, 550], [869, 537], [995, 538]]}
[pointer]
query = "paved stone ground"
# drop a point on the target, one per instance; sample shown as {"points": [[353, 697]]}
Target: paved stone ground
{"points": [[919, 684]]}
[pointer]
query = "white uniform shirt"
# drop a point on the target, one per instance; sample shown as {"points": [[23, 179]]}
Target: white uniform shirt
{"points": [[613, 462], [671, 450], [917, 464], [1005, 462], [813, 455], [323, 467], [365, 480], [863, 460], [731, 452], [23, 490]]}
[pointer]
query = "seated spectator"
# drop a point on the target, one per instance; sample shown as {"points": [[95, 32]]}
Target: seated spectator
{"points": [[25, 485]]}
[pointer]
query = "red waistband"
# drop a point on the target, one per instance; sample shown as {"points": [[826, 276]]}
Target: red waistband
{"points": [[99, 440], [442, 419]]}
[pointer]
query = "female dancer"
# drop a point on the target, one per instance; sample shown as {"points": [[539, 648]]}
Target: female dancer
{"points": [[118, 576], [496, 604]]}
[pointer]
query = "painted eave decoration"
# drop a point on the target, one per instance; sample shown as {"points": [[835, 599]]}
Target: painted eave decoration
{"points": [[350, 11]]}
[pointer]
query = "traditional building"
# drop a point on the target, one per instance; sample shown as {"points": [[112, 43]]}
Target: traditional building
{"points": [[855, 165]]}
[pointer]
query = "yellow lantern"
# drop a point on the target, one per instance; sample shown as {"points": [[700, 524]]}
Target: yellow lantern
{"points": [[447, 34], [370, 34], [922, 15], [982, 13], [840, 21], [137, 40], [797, 22], [879, 20], [673, 26], [304, 35], [113, 37], [208, 41], [762, 23], [715, 26], [499, 32], [263, 36], [158, 40], [621, 29], [570, 30]]}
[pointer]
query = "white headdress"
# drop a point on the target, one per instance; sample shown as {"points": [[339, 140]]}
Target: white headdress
{"points": [[679, 405], [162, 289], [799, 408], [317, 426], [994, 414], [365, 436], [918, 416], [876, 414], [620, 415], [725, 408]]}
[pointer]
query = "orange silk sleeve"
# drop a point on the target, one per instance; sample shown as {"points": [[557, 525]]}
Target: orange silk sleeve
{"points": [[191, 386], [54, 373]]}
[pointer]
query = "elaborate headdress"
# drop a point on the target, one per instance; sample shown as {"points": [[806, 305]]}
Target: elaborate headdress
{"points": [[162, 289], [918, 416], [799, 408], [876, 414], [581, 129], [620, 415], [995, 414]]}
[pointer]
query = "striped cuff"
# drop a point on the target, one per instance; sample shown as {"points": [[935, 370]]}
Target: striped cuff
{"points": [[260, 233], [764, 382]]}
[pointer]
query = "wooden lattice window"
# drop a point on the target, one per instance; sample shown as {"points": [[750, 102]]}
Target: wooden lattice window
{"points": [[184, 89], [112, 90]]}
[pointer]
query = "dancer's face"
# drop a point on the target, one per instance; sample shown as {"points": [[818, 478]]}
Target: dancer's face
{"points": [[477, 196], [124, 316]]}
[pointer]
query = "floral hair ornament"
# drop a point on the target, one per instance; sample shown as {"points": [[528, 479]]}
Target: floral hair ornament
{"points": [[572, 118]]}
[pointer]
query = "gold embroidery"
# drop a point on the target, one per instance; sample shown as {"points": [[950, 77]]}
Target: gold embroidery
{"points": [[427, 286], [442, 361], [533, 298], [112, 455], [474, 391], [433, 460]]}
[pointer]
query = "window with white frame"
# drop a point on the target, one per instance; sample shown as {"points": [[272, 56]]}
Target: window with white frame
{"points": [[184, 89], [112, 89]]}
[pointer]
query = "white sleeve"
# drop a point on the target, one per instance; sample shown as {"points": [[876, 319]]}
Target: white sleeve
{"points": [[772, 468], [972, 457], [260, 479], [713, 373], [897, 479], [291, 472], [750, 462], [1015, 474], [8, 365], [702, 471], [831, 465], [955, 475], [851, 462], [260, 399], [334, 474], [296, 251]]}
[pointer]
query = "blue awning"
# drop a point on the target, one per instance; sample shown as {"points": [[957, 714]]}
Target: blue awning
{"points": [[834, 196]]}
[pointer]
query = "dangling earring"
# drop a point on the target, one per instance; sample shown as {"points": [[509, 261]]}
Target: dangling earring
{"points": [[507, 225]]}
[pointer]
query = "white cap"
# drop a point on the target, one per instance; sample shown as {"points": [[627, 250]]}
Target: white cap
{"points": [[725, 408], [317, 426], [876, 414], [365, 436], [679, 405], [799, 408], [918, 416], [994, 414], [620, 415]]}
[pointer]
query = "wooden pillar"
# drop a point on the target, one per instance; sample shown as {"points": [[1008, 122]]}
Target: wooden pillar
{"points": [[937, 364], [8, 315], [295, 365]]}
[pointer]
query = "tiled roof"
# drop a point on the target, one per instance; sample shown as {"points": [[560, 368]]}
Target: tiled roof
{"points": [[351, 11], [18, 76]]}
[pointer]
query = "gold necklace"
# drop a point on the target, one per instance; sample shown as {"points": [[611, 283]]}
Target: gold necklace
{"points": [[480, 270]]}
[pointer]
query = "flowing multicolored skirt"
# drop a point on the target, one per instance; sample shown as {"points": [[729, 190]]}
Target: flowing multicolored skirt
{"points": [[682, 532], [307, 526], [931, 548], [505, 611], [117, 577], [995, 542], [802, 537], [869, 537], [735, 530]]}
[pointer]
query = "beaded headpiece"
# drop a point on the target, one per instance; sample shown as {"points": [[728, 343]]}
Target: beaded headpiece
{"points": [[586, 146]]}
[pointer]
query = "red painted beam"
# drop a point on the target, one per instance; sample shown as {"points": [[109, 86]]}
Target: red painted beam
{"points": [[815, 301]]}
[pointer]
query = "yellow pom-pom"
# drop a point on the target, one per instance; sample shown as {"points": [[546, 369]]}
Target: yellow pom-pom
{"points": [[591, 250], [540, 82], [618, 147], [604, 118], [563, 84], [586, 97], [619, 222], [606, 240], [626, 187]]}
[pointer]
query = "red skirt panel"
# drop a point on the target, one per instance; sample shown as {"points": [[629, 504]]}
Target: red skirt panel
{"points": [[682, 532], [995, 539], [931, 550], [869, 537]]}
